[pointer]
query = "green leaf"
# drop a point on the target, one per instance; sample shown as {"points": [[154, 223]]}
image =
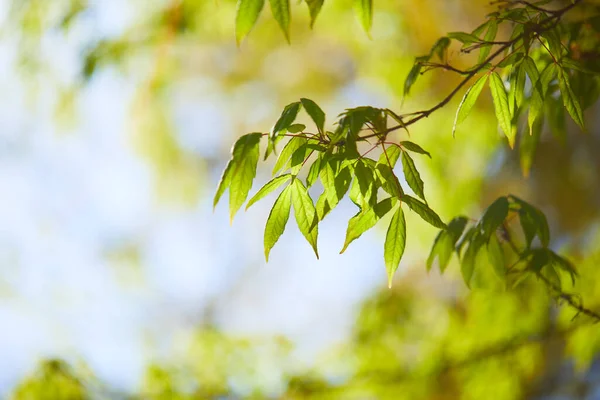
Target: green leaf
{"points": [[314, 7], [494, 216], [246, 16], [305, 213], [539, 92], [366, 219], [410, 146], [528, 146], [440, 47], [224, 182], [277, 220], [290, 148], [496, 257], [365, 179], [364, 12], [315, 113], [463, 37], [281, 12], [413, 178], [389, 180], [570, 101], [390, 156], [468, 101], [426, 213], [313, 172], [295, 128], [564, 264], [501, 107], [245, 159], [444, 243], [395, 242], [467, 265], [517, 87], [413, 74], [268, 188], [489, 37], [536, 218], [287, 118], [510, 60]]}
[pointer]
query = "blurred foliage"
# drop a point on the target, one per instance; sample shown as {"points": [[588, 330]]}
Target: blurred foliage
{"points": [[427, 338]]}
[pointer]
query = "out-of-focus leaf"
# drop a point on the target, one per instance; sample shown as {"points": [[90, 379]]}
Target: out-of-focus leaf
{"points": [[246, 16], [496, 257], [277, 220], [528, 145], [281, 12], [444, 243], [395, 241], [494, 216], [467, 265], [570, 101], [314, 7], [364, 12], [539, 91], [489, 37], [463, 37]]}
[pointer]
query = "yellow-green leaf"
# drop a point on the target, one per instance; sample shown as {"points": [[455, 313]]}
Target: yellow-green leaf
{"points": [[426, 213], [246, 16], [413, 178], [305, 213], [288, 150], [277, 220], [569, 99], [314, 7], [268, 188], [316, 113], [501, 107], [496, 257], [364, 12], [245, 159], [366, 219], [281, 12], [395, 241], [468, 101]]}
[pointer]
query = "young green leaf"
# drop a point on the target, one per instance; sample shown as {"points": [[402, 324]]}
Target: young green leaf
{"points": [[268, 188], [440, 47], [364, 12], [315, 113], [295, 128], [246, 16], [490, 35], [281, 12], [501, 107], [413, 178], [289, 149], [395, 241], [313, 172], [467, 265], [365, 180], [496, 256], [463, 37], [534, 218], [539, 91], [426, 213], [366, 219], [444, 243], [224, 182], [388, 180], [245, 159], [410, 146], [390, 156], [277, 220], [314, 7], [570, 99], [468, 101], [494, 216], [287, 118], [413, 74], [305, 213]]}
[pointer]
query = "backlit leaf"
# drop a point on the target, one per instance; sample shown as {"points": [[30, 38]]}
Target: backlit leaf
{"points": [[413, 178], [281, 12], [501, 107], [314, 7], [570, 101], [468, 101], [246, 16], [305, 213], [395, 241], [364, 12], [268, 188], [494, 216], [366, 219], [426, 213], [289, 149], [410, 146], [277, 220], [315, 113]]}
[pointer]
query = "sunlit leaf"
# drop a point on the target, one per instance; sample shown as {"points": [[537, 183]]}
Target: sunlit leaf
{"points": [[287, 118], [286, 153], [281, 12], [305, 213], [410, 146], [413, 74], [390, 156], [277, 220], [426, 213], [246, 16], [315, 113], [570, 101], [295, 128], [269, 187], [366, 219], [413, 178], [364, 12], [537, 218], [539, 92], [463, 37], [489, 37], [468, 101], [501, 107], [395, 241], [528, 146]]}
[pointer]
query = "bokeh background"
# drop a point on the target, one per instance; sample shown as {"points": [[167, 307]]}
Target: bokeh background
{"points": [[118, 280]]}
